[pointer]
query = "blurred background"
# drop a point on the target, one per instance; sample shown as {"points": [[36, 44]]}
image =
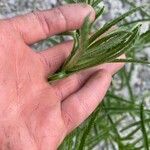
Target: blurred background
{"points": [[118, 122]]}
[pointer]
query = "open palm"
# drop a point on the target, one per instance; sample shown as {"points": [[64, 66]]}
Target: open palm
{"points": [[35, 115]]}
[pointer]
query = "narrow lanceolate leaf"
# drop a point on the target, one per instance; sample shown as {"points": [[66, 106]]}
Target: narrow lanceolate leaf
{"points": [[84, 35], [122, 48], [109, 45], [75, 48], [112, 23], [128, 127], [145, 37], [110, 55], [131, 133], [83, 44], [145, 137], [127, 45], [89, 126], [95, 3], [99, 12], [70, 1], [131, 61], [115, 34]]}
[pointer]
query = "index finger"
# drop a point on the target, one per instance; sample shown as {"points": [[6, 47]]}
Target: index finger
{"points": [[39, 25]]}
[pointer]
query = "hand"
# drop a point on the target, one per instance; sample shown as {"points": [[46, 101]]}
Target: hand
{"points": [[35, 115]]}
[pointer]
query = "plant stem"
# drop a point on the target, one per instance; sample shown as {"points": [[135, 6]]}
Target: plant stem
{"points": [[145, 138], [90, 124]]}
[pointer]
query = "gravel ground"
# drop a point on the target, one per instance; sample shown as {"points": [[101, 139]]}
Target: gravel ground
{"points": [[11, 8]]}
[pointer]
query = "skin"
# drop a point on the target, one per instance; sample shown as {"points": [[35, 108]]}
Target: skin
{"points": [[36, 115]]}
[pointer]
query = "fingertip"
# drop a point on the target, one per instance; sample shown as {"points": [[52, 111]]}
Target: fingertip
{"points": [[104, 74], [117, 66], [78, 12], [100, 79], [90, 11], [112, 68]]}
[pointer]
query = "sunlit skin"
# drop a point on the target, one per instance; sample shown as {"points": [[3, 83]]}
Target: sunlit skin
{"points": [[36, 115]]}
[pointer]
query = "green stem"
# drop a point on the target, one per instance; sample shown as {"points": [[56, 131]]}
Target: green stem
{"points": [[88, 128], [128, 85], [145, 138]]}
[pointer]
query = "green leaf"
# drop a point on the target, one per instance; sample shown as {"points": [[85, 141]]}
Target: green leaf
{"points": [[112, 23], [71, 1], [145, 137], [74, 50], [111, 56], [99, 12], [116, 34], [89, 126], [131, 133], [130, 61], [145, 37], [83, 44], [96, 2], [108, 56], [104, 45], [134, 124], [84, 34]]}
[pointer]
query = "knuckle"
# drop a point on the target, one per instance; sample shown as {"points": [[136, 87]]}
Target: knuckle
{"points": [[59, 92], [78, 79], [82, 109], [51, 20], [45, 61], [68, 119], [43, 22], [105, 73], [62, 21], [7, 27]]}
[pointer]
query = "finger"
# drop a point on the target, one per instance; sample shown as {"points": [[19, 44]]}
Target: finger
{"points": [[71, 84], [77, 107], [112, 68], [54, 57], [42, 24]]}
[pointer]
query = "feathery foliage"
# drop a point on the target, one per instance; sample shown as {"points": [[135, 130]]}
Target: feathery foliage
{"points": [[91, 50]]}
